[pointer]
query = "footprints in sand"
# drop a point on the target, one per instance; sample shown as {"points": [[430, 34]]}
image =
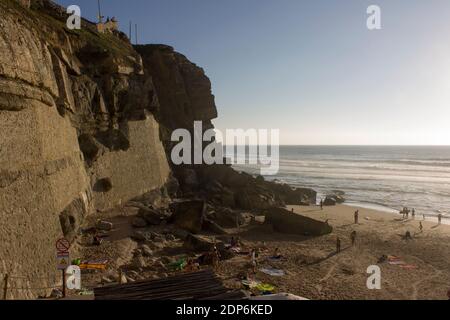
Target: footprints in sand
{"points": [[416, 285]]}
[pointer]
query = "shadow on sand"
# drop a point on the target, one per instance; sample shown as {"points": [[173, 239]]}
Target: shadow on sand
{"points": [[331, 255]]}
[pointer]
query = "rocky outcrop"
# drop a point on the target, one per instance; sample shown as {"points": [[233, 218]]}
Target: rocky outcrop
{"points": [[184, 94], [189, 215], [285, 221], [333, 199]]}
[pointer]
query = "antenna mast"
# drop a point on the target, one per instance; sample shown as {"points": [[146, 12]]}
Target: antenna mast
{"points": [[100, 18], [136, 32], [129, 34]]}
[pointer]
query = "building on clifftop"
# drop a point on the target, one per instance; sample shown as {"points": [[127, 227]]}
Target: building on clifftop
{"points": [[25, 3], [110, 25]]}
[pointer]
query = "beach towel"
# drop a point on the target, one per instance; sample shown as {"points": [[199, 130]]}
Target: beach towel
{"points": [[272, 272], [408, 266], [235, 249], [94, 264], [266, 288], [275, 259], [397, 263]]}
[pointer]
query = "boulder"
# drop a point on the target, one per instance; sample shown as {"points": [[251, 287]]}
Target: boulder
{"points": [[329, 201], [251, 199], [139, 222], [336, 197], [140, 236], [180, 233], [211, 226], [188, 215], [225, 217], [146, 251], [139, 262], [152, 216], [104, 225], [170, 237], [285, 221], [201, 243]]}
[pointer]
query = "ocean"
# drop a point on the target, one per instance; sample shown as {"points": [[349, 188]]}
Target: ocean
{"points": [[380, 177]]}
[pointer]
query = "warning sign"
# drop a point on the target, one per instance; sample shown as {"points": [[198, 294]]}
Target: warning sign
{"points": [[63, 260], [62, 245]]}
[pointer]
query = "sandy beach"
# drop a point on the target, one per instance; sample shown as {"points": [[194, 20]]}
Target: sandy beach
{"points": [[314, 271], [312, 268]]}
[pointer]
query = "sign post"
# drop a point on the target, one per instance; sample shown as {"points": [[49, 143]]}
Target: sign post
{"points": [[63, 260]]}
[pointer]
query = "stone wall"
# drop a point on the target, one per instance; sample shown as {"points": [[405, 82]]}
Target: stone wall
{"points": [[143, 167]]}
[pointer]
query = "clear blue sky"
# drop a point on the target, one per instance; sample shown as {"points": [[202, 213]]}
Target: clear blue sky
{"points": [[311, 68]]}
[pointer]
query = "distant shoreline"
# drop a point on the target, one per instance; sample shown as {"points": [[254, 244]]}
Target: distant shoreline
{"points": [[385, 209]]}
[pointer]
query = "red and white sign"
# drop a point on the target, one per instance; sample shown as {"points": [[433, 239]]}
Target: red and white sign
{"points": [[62, 245]]}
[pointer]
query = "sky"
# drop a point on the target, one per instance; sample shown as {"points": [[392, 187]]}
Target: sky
{"points": [[311, 69]]}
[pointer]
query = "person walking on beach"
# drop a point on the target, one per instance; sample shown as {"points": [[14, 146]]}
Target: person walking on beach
{"points": [[356, 216], [338, 245], [254, 260], [408, 235], [420, 227], [353, 237], [439, 218], [413, 214], [321, 204]]}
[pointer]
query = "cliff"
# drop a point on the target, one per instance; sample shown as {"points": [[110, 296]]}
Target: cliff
{"points": [[85, 123], [77, 134]]}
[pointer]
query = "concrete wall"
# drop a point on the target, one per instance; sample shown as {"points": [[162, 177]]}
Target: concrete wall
{"points": [[140, 169]]}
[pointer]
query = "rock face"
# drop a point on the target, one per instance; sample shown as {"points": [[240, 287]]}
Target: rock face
{"points": [[76, 134], [189, 215], [184, 94]]}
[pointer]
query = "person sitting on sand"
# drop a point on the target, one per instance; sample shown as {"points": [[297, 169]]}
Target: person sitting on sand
{"points": [[254, 260], [233, 242], [356, 216], [191, 265], [353, 237], [215, 255], [276, 254], [239, 243], [408, 235], [338, 245], [97, 240]]}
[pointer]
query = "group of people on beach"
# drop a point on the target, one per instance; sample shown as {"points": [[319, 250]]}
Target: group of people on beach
{"points": [[405, 212]]}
